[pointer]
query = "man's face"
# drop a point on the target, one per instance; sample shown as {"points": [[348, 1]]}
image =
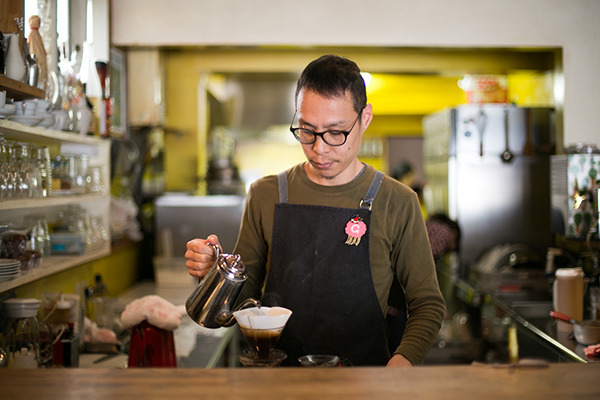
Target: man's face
{"points": [[331, 165]]}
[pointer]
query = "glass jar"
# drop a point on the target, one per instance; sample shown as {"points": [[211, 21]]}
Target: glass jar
{"points": [[38, 232]]}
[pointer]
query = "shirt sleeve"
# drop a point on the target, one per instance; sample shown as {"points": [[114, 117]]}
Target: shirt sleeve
{"points": [[414, 267]]}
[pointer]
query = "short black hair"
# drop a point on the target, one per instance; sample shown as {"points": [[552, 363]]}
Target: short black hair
{"points": [[332, 75], [450, 223]]}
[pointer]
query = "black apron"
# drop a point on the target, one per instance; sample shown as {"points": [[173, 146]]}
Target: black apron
{"points": [[321, 270]]}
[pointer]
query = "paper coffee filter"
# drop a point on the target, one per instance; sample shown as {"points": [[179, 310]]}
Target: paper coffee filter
{"points": [[263, 317]]}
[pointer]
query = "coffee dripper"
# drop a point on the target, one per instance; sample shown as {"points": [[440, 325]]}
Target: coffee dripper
{"points": [[211, 303], [262, 328]]}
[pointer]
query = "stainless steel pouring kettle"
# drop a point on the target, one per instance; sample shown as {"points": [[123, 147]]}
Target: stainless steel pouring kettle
{"points": [[210, 304]]}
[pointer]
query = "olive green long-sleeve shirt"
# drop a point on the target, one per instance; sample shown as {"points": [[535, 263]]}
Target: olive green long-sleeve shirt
{"points": [[398, 245]]}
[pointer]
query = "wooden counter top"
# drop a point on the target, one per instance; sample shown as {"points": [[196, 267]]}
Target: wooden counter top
{"points": [[557, 381]]}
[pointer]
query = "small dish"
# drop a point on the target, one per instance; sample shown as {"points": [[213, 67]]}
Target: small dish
{"points": [[312, 360], [6, 111]]}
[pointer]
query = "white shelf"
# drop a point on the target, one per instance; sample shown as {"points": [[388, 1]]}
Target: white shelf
{"points": [[50, 201], [18, 131], [98, 203], [52, 265]]}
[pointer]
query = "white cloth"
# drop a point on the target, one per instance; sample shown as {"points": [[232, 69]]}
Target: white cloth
{"points": [[154, 309], [93, 334]]}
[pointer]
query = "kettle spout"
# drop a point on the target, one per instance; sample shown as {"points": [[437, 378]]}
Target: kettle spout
{"points": [[226, 318]]}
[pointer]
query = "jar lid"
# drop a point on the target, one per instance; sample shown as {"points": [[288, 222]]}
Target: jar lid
{"points": [[569, 272], [62, 304]]}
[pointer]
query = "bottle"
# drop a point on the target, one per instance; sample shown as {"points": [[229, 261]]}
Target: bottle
{"points": [[100, 288], [567, 292]]}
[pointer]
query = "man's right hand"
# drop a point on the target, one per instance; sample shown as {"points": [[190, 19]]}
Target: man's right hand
{"points": [[199, 256]]}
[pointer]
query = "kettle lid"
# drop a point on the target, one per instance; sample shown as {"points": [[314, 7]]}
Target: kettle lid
{"points": [[232, 266]]}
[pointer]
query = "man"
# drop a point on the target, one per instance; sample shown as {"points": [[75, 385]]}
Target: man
{"points": [[326, 237]]}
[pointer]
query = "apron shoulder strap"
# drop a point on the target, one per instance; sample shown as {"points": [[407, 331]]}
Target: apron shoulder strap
{"points": [[283, 188], [367, 201]]}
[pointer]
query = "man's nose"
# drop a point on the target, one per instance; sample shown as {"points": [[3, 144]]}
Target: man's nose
{"points": [[319, 145]]}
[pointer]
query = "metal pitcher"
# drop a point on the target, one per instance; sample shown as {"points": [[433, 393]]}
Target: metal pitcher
{"points": [[210, 304]]}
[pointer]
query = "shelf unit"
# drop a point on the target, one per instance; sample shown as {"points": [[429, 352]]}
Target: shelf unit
{"points": [[98, 151], [18, 90]]}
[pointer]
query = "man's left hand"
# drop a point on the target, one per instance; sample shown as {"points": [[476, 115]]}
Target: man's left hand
{"points": [[398, 360]]}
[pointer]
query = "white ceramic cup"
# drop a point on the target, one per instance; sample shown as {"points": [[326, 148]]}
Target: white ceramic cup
{"points": [[42, 106], [30, 107], [19, 107], [61, 120]]}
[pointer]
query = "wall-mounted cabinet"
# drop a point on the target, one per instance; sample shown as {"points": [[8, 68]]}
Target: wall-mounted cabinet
{"points": [[96, 204]]}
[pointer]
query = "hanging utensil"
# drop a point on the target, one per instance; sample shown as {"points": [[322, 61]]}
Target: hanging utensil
{"points": [[528, 149], [480, 123], [506, 155]]}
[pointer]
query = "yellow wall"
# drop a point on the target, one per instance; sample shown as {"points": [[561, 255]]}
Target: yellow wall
{"points": [[392, 94], [399, 103], [119, 271], [183, 140]]}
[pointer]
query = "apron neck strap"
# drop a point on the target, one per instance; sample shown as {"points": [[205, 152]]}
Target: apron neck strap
{"points": [[283, 187]]}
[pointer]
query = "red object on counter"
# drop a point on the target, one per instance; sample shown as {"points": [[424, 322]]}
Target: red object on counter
{"points": [[592, 351], [151, 347]]}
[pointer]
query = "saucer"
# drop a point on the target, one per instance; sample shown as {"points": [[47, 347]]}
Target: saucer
{"points": [[250, 359], [30, 120], [47, 121]]}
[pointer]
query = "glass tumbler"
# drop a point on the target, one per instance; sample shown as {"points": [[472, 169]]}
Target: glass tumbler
{"points": [[37, 226]]}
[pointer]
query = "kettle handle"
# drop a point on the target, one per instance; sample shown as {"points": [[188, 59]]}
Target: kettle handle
{"points": [[216, 249]]}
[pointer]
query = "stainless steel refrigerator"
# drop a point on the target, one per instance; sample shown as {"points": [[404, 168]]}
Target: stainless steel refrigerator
{"points": [[488, 167]]}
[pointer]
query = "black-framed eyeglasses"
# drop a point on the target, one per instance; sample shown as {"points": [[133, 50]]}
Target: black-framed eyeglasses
{"points": [[332, 138]]}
